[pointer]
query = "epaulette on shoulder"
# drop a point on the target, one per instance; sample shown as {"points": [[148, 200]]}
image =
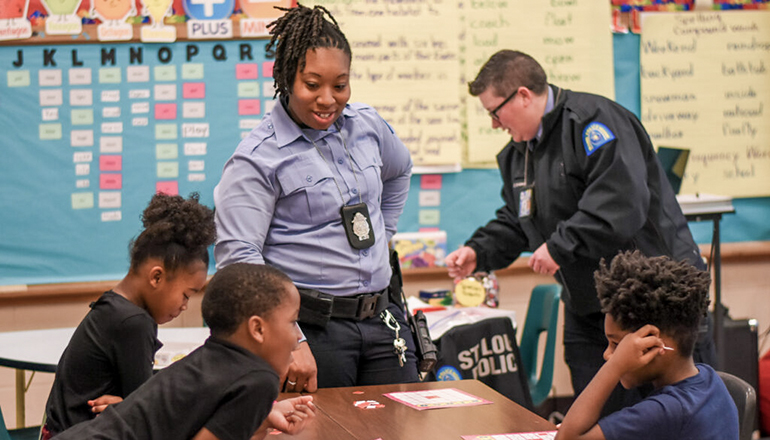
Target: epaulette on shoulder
{"points": [[367, 109]]}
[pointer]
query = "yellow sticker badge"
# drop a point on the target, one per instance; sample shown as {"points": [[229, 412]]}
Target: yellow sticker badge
{"points": [[595, 135], [470, 292]]}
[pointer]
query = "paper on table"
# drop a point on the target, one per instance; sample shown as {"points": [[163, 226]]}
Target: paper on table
{"points": [[542, 435], [432, 399]]}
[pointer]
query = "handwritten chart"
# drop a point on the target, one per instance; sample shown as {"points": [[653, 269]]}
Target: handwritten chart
{"points": [[705, 80], [569, 38], [406, 65]]}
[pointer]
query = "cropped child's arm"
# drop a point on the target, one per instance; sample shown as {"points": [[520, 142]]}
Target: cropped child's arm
{"points": [[292, 415], [634, 351]]}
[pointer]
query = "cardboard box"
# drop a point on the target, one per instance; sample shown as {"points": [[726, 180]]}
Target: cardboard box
{"points": [[420, 249]]}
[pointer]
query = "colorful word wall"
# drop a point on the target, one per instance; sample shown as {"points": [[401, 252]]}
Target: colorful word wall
{"points": [[93, 131]]}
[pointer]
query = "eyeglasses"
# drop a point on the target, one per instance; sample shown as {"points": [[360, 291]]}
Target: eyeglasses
{"points": [[493, 113]]}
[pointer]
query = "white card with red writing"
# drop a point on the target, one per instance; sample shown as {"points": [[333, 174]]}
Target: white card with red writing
{"points": [[431, 399]]}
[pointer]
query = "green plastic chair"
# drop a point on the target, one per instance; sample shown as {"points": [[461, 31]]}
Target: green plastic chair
{"points": [[542, 316], [4, 434], [32, 433]]}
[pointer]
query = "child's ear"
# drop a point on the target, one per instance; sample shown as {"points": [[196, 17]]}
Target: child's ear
{"points": [[257, 328], [156, 274]]}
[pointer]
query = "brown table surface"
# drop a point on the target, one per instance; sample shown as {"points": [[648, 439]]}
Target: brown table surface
{"points": [[338, 418]]}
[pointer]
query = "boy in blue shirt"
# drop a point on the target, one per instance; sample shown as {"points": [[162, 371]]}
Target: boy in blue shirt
{"points": [[653, 306]]}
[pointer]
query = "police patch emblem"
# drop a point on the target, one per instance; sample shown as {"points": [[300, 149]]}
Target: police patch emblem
{"points": [[448, 372], [595, 135]]}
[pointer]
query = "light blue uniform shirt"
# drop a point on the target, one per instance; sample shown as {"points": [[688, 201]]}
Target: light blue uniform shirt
{"points": [[278, 203], [549, 105]]}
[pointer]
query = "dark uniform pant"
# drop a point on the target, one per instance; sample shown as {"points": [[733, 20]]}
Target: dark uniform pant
{"points": [[349, 352], [584, 345]]}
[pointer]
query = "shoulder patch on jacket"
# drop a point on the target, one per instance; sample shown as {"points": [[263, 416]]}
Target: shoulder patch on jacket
{"points": [[595, 135]]}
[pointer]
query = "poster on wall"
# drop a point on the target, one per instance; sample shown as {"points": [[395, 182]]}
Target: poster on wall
{"points": [[705, 84]]}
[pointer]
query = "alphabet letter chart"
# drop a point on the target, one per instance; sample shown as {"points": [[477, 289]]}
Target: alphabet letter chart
{"points": [[92, 131]]}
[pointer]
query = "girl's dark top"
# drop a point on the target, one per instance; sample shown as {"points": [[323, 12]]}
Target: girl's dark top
{"points": [[111, 352]]}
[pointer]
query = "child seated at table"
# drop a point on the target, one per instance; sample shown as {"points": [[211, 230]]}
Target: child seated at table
{"points": [[113, 349], [224, 389], [653, 307]]}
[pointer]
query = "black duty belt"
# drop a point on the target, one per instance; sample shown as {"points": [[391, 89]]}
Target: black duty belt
{"points": [[318, 307]]}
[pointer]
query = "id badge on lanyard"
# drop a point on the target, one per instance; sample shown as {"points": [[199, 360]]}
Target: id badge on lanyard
{"points": [[526, 199]]}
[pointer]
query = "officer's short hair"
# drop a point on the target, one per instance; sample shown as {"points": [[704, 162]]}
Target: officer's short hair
{"points": [[506, 71]]}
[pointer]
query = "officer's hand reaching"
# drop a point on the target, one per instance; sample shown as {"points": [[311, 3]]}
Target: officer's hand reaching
{"points": [[541, 261], [461, 262]]}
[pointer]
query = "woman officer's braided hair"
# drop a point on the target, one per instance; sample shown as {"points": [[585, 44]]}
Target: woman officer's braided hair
{"points": [[298, 30]]}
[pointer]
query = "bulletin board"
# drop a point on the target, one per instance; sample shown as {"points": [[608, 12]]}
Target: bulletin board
{"points": [[91, 132]]}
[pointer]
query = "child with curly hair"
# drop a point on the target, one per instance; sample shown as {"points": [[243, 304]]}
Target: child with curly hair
{"points": [[113, 349], [653, 307]]}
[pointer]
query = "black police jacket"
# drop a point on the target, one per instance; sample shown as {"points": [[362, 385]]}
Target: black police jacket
{"points": [[598, 188]]}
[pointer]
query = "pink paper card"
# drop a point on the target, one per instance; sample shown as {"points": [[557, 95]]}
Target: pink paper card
{"points": [[194, 90], [430, 181], [441, 398], [541, 435], [267, 69], [170, 187], [110, 163], [165, 111], [247, 107], [430, 229], [110, 181], [246, 71]]}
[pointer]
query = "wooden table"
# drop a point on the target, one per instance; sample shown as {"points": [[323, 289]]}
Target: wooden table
{"points": [[338, 418]]}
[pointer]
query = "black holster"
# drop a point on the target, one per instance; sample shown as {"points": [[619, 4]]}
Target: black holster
{"points": [[426, 351]]}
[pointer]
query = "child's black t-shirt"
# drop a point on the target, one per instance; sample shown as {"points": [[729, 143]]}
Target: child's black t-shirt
{"points": [[219, 386], [111, 352]]}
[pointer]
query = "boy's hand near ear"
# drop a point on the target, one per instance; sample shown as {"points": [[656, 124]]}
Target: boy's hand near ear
{"points": [[636, 350]]}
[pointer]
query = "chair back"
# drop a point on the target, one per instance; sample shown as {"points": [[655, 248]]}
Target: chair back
{"points": [[542, 316], [4, 435], [745, 398]]}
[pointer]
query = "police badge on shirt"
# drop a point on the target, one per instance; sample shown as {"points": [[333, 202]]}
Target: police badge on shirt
{"points": [[358, 225]]}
